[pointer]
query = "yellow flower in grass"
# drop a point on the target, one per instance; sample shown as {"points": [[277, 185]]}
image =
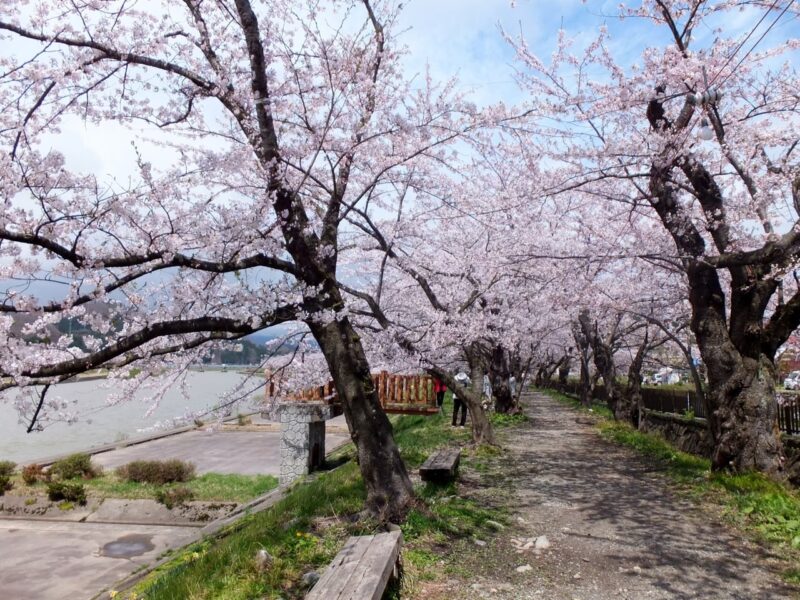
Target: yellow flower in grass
{"points": [[113, 594]]}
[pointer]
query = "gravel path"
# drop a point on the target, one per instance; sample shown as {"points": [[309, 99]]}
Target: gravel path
{"points": [[613, 527]]}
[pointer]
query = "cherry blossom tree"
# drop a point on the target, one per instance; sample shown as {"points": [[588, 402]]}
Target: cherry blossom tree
{"points": [[696, 141], [262, 130]]}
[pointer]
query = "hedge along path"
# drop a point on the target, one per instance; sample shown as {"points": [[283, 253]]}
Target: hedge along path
{"points": [[615, 530]]}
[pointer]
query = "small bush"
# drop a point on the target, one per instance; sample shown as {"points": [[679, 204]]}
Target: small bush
{"points": [[69, 492], [75, 466], [5, 484], [157, 472], [7, 468], [175, 496], [34, 473]]}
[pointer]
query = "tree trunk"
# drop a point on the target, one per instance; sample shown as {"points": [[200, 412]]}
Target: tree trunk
{"points": [[633, 390], [498, 375], [563, 373], [389, 489], [585, 391], [745, 424], [740, 401], [583, 347], [604, 363], [482, 432], [539, 379]]}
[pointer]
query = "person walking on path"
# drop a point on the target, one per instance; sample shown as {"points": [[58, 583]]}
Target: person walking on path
{"points": [[458, 403], [439, 389]]}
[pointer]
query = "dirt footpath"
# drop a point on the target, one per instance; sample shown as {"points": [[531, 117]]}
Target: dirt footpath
{"points": [[613, 529]]}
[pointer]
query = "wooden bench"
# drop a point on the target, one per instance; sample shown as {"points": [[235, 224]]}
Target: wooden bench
{"points": [[441, 466], [362, 570]]}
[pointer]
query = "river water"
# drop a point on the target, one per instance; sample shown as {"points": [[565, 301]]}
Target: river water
{"points": [[101, 424]]}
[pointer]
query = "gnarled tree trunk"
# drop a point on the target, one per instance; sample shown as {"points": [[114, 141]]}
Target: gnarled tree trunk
{"points": [[482, 432], [738, 351], [499, 374], [744, 424], [563, 372], [389, 489], [633, 389]]}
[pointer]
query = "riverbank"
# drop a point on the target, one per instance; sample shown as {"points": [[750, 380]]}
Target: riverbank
{"points": [[558, 513], [98, 424]]}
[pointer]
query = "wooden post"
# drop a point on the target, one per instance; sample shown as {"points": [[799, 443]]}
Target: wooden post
{"points": [[382, 388]]}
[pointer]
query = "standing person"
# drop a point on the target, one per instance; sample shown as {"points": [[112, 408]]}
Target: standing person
{"points": [[487, 393], [458, 403], [439, 389]]}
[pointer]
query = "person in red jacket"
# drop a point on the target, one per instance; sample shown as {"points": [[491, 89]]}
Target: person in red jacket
{"points": [[439, 389]]}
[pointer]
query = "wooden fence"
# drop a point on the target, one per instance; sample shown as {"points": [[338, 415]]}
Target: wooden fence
{"points": [[789, 415], [684, 401], [405, 394]]}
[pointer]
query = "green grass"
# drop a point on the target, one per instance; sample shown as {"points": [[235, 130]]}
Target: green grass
{"points": [[680, 465], [299, 532], [678, 387], [751, 500], [504, 420], [305, 530], [209, 487], [596, 408]]}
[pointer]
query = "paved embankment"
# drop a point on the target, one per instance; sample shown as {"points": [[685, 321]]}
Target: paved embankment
{"points": [[61, 557]]}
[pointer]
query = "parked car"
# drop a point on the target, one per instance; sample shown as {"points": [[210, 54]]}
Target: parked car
{"points": [[792, 381], [666, 376]]}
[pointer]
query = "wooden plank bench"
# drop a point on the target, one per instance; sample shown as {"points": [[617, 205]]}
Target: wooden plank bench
{"points": [[441, 466], [361, 570]]}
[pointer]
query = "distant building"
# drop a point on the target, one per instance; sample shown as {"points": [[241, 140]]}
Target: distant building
{"points": [[789, 358]]}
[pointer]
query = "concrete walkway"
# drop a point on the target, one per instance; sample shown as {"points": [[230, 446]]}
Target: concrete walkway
{"points": [[43, 560], [57, 560], [243, 452]]}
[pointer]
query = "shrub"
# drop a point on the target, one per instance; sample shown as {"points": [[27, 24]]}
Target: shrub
{"points": [[5, 484], [75, 466], [33, 473], [175, 496], [69, 492], [158, 472], [7, 468]]}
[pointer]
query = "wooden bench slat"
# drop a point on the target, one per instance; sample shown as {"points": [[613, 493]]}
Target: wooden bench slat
{"points": [[441, 465], [361, 570], [375, 569], [338, 573]]}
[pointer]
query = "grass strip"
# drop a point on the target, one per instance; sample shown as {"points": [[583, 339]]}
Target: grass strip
{"points": [[210, 487]]}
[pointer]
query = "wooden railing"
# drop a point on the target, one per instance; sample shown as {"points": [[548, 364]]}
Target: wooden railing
{"points": [[396, 393]]}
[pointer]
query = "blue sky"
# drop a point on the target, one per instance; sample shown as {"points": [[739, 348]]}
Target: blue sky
{"points": [[463, 37]]}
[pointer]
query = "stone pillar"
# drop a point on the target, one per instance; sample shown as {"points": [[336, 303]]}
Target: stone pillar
{"points": [[302, 437]]}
